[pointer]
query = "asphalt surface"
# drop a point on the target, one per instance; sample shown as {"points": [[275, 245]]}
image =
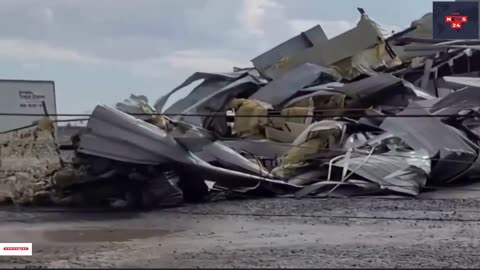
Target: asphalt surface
{"points": [[314, 233]]}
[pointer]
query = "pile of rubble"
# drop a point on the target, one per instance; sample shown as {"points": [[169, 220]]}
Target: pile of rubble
{"points": [[357, 114]]}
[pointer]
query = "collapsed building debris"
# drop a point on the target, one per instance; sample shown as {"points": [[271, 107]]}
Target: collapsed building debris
{"points": [[358, 114]]}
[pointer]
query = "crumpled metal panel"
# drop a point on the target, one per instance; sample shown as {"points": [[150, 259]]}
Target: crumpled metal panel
{"points": [[113, 134], [279, 90], [118, 150], [371, 85], [233, 160], [457, 101], [382, 89], [235, 179], [202, 144], [451, 153], [389, 170], [421, 93], [211, 83]]}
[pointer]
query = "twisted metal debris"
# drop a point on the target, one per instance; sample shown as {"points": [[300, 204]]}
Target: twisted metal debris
{"points": [[356, 115]]}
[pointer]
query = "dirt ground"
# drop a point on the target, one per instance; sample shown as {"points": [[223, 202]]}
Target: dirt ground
{"points": [[313, 233]]}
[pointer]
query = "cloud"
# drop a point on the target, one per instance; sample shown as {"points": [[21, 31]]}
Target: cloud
{"points": [[262, 23], [331, 28], [202, 61], [254, 15], [25, 50], [187, 62]]}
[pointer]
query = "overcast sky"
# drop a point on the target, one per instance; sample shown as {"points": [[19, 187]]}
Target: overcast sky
{"points": [[99, 52]]}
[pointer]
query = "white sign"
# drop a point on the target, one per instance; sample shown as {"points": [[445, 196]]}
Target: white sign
{"points": [[25, 97], [15, 249]]}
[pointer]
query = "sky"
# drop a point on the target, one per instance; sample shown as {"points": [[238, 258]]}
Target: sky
{"points": [[101, 51]]}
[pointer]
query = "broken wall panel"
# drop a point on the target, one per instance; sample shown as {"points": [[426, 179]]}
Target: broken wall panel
{"points": [[313, 36], [348, 44]]}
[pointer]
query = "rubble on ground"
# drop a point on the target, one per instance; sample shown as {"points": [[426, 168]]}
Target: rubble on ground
{"points": [[356, 115]]}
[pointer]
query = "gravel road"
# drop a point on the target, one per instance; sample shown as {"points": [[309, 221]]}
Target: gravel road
{"points": [[366, 232]]}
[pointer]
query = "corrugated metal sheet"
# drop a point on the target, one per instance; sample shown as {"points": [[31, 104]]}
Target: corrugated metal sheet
{"points": [[382, 170], [116, 135]]}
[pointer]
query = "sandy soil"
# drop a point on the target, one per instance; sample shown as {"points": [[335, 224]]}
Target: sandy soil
{"points": [[369, 232]]}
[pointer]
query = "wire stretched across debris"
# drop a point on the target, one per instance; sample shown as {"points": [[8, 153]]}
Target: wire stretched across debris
{"points": [[473, 114]]}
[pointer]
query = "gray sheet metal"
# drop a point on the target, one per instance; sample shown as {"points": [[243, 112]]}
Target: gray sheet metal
{"points": [[421, 93], [106, 147], [466, 190], [368, 86], [292, 81], [457, 101], [112, 134], [390, 171], [211, 83], [426, 73], [439, 140], [233, 160], [382, 89], [470, 81], [324, 86], [201, 143], [327, 89], [307, 39]]}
